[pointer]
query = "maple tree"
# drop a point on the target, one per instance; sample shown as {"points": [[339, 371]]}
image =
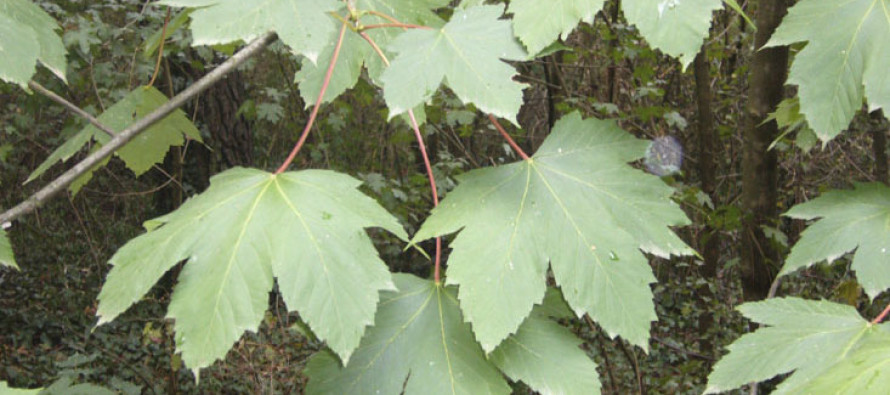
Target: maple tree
{"points": [[576, 212]]}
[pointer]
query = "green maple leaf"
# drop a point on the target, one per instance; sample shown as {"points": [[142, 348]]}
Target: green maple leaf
{"points": [[141, 153], [7, 258], [28, 35], [356, 53], [676, 27], [575, 204], [418, 345], [305, 228], [545, 355], [539, 23], [803, 336], [466, 55], [840, 66], [17, 391], [301, 24], [865, 371], [850, 220]]}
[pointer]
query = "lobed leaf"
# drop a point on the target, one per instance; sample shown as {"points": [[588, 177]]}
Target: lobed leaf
{"points": [[466, 55], [418, 345], [141, 153], [27, 35], [806, 337], [865, 371], [676, 27], [546, 356], [356, 53], [577, 205], [305, 228], [841, 66], [7, 258], [850, 220], [539, 23], [301, 24]]}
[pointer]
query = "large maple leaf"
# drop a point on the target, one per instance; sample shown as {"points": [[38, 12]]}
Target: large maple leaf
{"points": [[28, 35], [840, 66], [301, 24], [806, 337], [577, 205], [848, 220], [466, 55], [305, 228], [356, 53]]}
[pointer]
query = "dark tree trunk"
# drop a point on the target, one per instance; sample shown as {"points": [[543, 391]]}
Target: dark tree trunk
{"points": [[879, 146], [612, 77], [759, 261], [707, 146]]}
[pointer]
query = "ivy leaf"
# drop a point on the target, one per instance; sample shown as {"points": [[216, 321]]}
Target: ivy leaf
{"points": [[356, 53], [539, 23], [27, 35], [301, 24], [803, 336], [865, 371], [7, 258], [546, 356], [305, 228], [676, 27], [418, 345], [576, 204], [144, 151], [466, 54], [840, 66], [850, 220]]}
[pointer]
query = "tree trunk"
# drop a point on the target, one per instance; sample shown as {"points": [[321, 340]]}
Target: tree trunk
{"points": [[879, 145], [759, 261]]}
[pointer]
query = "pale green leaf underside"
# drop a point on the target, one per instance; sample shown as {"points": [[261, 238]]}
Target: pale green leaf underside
{"points": [[576, 204], [538, 23], [146, 149], [841, 66], [465, 55], [803, 336], [418, 344], [301, 24], [857, 220], [357, 53], [546, 356], [7, 258], [27, 35], [676, 27], [305, 228]]}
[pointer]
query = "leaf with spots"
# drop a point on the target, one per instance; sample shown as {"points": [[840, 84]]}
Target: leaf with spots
{"points": [[304, 228], [577, 205], [854, 220], [419, 344]]}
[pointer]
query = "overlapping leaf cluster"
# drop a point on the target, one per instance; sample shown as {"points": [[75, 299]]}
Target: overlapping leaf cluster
{"points": [[28, 35]]}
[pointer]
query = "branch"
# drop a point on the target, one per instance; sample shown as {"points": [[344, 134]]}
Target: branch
{"points": [[67, 104], [122, 138]]}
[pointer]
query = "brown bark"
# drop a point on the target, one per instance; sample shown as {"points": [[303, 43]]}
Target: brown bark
{"points": [[759, 261], [879, 146]]}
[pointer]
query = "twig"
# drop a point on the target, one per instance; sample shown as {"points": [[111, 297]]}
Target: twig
{"points": [[75, 109], [122, 138]]}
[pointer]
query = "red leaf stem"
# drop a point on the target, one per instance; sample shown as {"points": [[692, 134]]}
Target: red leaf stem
{"points": [[507, 137], [437, 268], [881, 316], [314, 114], [401, 25]]}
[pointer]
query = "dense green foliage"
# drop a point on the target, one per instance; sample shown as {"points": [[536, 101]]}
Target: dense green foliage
{"points": [[559, 265]]}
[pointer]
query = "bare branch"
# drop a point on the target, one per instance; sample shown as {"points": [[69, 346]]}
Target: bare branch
{"points": [[122, 138], [75, 109]]}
